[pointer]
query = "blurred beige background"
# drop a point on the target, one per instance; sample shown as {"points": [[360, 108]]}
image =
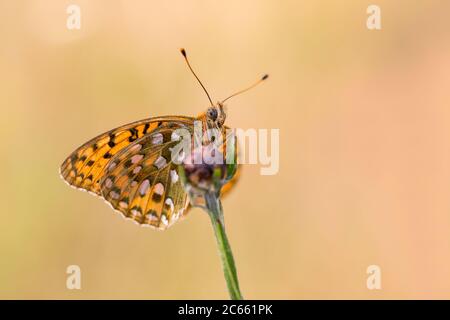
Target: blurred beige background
{"points": [[364, 123]]}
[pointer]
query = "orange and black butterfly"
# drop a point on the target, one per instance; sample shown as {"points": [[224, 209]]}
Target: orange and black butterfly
{"points": [[131, 167]]}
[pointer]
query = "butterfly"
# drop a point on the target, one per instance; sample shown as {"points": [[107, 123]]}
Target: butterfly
{"points": [[130, 167]]}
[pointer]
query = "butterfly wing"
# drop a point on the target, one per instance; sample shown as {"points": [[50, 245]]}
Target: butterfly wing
{"points": [[85, 166], [143, 184], [130, 168]]}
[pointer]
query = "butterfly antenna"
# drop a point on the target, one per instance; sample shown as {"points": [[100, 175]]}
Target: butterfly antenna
{"points": [[183, 52], [264, 77]]}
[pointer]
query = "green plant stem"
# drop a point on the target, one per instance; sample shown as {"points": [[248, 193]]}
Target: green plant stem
{"points": [[215, 212]]}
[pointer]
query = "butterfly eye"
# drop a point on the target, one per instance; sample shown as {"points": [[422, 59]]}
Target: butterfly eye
{"points": [[212, 114]]}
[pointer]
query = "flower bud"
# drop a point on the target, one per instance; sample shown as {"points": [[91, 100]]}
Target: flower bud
{"points": [[205, 171]]}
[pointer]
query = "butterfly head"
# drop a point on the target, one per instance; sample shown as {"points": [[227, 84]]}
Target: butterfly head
{"points": [[216, 115]]}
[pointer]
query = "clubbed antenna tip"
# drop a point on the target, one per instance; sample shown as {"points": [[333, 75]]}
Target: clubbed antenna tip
{"points": [[183, 52], [264, 77]]}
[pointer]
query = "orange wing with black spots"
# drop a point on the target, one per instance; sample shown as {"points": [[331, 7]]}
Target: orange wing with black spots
{"points": [[143, 183], [84, 168], [131, 168]]}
